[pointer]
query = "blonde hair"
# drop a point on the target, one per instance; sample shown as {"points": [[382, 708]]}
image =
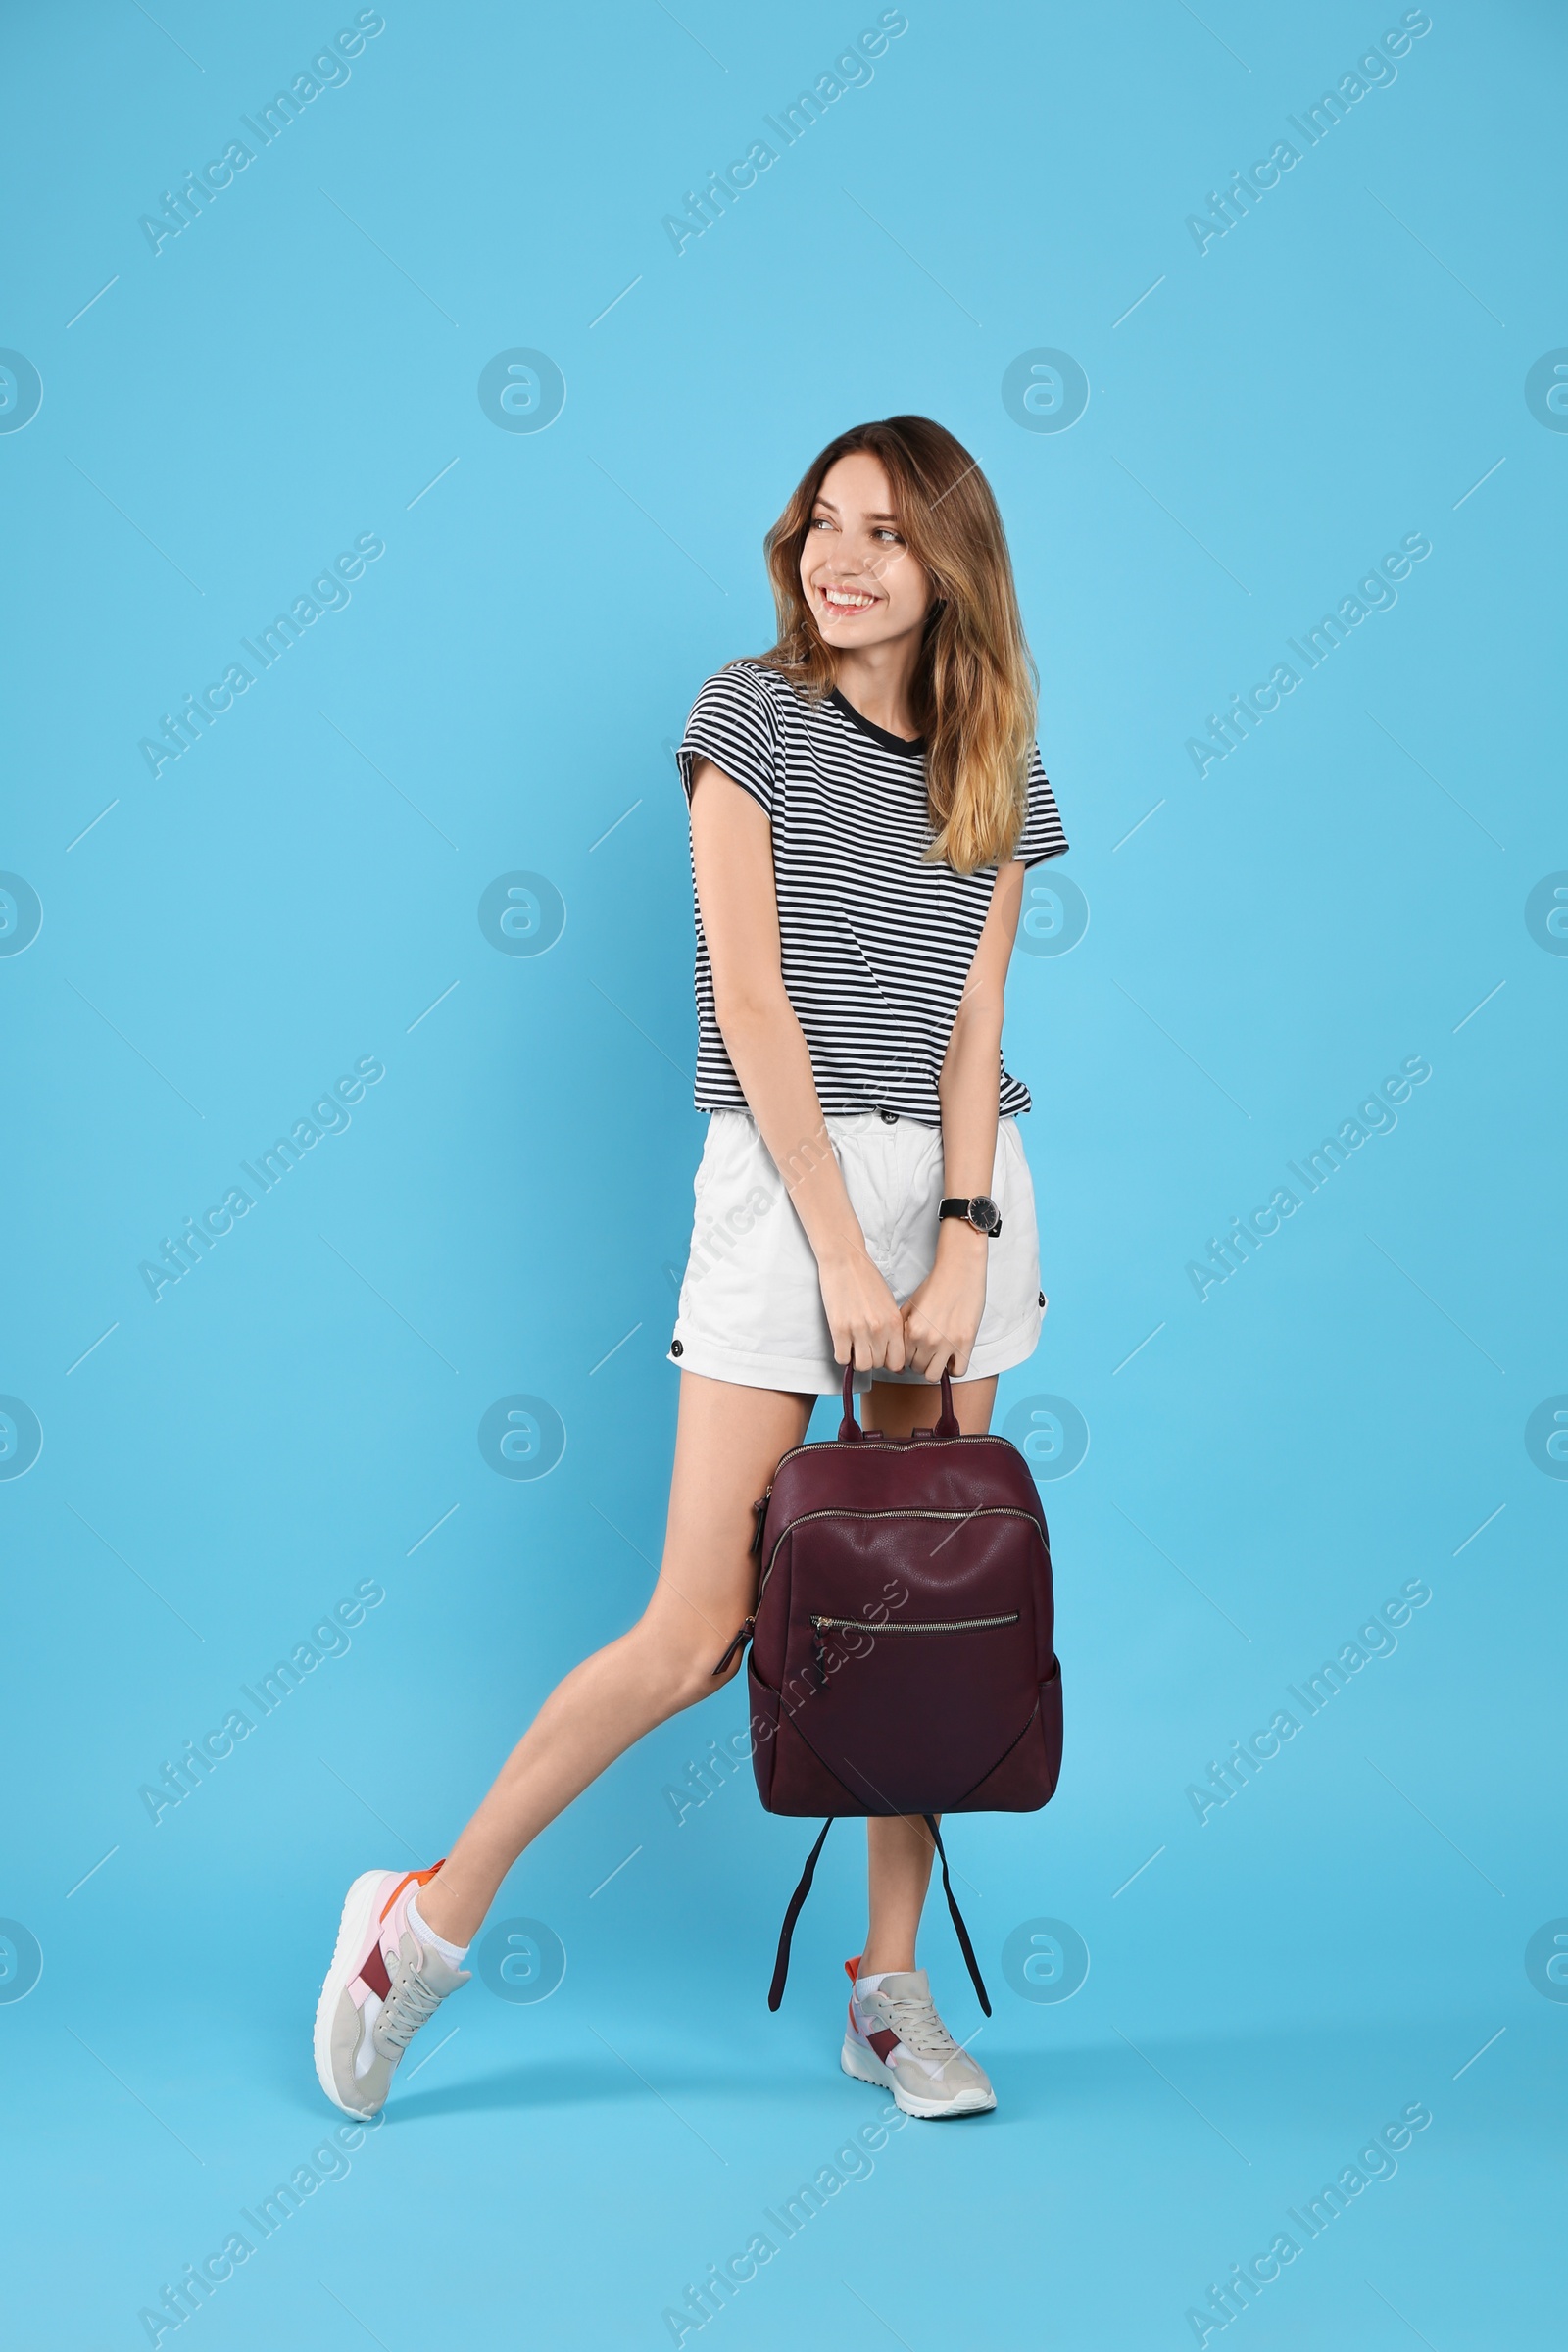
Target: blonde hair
{"points": [[973, 694]]}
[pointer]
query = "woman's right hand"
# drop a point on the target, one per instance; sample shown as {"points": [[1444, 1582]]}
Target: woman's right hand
{"points": [[862, 1314]]}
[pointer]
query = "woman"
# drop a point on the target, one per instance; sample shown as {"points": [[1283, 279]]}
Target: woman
{"points": [[864, 800]]}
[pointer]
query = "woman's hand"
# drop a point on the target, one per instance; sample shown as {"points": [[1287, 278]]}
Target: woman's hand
{"points": [[862, 1313], [941, 1317]]}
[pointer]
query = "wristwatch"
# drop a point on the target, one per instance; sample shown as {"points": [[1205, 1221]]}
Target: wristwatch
{"points": [[981, 1212]]}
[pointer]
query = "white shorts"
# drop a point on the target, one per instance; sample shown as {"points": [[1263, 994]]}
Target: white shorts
{"points": [[751, 1305]]}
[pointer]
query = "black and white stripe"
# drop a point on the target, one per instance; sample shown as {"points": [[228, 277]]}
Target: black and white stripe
{"points": [[876, 946]]}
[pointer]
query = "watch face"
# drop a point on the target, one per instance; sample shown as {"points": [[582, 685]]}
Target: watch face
{"points": [[983, 1213]]}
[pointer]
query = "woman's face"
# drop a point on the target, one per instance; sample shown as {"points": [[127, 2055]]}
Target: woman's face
{"points": [[862, 584]]}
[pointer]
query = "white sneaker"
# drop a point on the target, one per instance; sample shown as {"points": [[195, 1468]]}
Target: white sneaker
{"points": [[383, 1986], [897, 2041]]}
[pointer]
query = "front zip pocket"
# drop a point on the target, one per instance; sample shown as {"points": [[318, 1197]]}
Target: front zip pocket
{"points": [[951, 1624], [865, 1625]]}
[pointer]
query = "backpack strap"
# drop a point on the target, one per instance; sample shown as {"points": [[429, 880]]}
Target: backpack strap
{"points": [[781, 1966], [964, 1946]]}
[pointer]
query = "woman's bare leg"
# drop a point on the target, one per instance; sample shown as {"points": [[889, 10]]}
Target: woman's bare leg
{"points": [[727, 1443], [899, 1849]]}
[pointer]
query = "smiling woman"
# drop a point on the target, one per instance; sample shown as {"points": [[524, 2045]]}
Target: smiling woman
{"points": [[865, 799], [894, 530]]}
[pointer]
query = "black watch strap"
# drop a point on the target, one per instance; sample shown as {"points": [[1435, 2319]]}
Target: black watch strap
{"points": [[973, 1215]]}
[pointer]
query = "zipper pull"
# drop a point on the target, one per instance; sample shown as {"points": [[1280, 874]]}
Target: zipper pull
{"points": [[739, 1642], [759, 1513], [819, 1654]]}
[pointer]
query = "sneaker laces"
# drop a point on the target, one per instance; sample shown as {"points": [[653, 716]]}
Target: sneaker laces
{"points": [[917, 2026], [406, 2008]]}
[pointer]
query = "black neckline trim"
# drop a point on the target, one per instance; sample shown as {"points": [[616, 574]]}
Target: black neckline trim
{"points": [[912, 743]]}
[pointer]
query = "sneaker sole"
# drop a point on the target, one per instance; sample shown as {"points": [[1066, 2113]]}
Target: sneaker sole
{"points": [[359, 1910], [866, 2067]]}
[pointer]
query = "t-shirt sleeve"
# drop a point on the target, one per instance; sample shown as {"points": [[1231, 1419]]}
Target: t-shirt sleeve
{"points": [[733, 725], [1041, 836]]}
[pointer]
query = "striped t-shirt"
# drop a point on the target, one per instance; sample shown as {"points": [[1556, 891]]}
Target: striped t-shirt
{"points": [[876, 946]]}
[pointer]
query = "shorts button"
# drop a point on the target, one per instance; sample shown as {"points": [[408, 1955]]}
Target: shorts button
{"points": [[675, 1348], [891, 1117]]}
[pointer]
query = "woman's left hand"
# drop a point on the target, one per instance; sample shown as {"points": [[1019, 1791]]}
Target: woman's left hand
{"points": [[942, 1317]]}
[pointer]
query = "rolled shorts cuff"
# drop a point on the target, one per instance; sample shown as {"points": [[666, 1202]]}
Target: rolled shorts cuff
{"points": [[804, 1376], [813, 1376]]}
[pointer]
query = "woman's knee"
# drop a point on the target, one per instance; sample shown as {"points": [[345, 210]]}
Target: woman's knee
{"points": [[684, 1666], [709, 1677]]}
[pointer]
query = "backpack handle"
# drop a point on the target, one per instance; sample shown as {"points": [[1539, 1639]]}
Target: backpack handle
{"points": [[850, 1429]]}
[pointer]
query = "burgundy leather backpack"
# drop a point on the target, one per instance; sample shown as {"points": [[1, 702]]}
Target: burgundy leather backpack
{"points": [[902, 1641]]}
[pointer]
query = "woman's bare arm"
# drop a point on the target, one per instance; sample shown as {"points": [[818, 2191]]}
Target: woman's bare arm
{"points": [[732, 856], [942, 1317]]}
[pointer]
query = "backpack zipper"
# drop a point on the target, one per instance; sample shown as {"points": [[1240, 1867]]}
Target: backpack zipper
{"points": [[739, 1642], [912, 1443], [864, 1624], [951, 1624], [989, 1511]]}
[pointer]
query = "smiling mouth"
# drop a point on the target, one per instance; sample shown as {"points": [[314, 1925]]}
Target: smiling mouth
{"points": [[845, 602]]}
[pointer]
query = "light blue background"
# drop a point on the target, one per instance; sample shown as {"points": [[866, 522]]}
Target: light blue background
{"points": [[510, 1207]]}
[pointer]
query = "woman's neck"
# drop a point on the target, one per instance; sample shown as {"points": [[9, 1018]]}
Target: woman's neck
{"points": [[878, 679]]}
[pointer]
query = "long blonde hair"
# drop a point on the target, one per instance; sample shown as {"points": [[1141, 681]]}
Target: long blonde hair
{"points": [[973, 694]]}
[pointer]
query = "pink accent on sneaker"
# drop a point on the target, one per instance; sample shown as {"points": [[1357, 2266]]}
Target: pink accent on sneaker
{"points": [[388, 1922], [876, 2037]]}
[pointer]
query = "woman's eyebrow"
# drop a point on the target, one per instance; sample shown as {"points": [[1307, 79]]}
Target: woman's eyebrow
{"points": [[874, 518]]}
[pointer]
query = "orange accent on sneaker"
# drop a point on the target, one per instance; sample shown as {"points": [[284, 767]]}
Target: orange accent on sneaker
{"points": [[852, 1969], [413, 1877]]}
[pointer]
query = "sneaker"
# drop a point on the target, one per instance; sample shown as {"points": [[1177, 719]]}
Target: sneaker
{"points": [[380, 1988], [897, 2041]]}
